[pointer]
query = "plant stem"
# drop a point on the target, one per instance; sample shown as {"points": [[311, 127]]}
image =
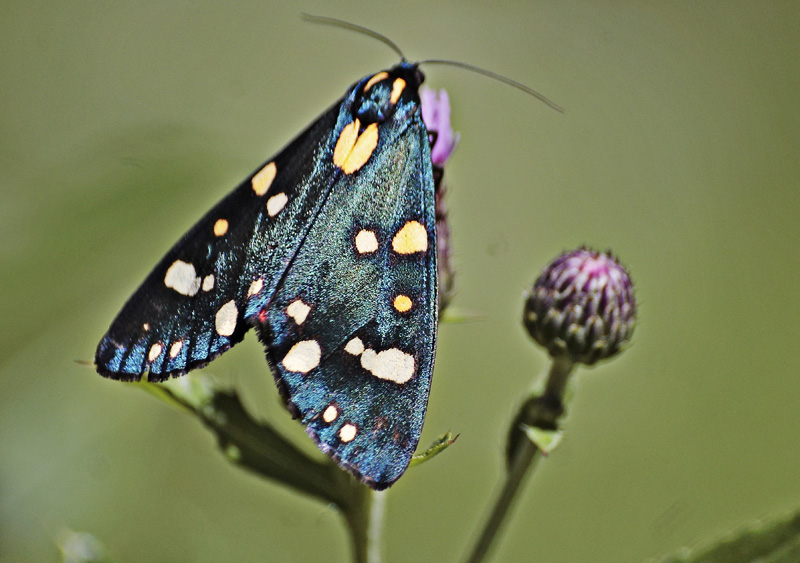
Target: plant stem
{"points": [[376, 526], [358, 517], [542, 412]]}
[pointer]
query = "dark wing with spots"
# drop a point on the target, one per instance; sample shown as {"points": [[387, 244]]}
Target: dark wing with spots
{"points": [[195, 304], [351, 331]]}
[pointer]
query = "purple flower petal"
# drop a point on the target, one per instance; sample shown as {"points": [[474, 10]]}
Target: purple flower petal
{"points": [[436, 115]]}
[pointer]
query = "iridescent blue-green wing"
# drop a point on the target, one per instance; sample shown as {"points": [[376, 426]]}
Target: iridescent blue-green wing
{"points": [[351, 330], [193, 306]]}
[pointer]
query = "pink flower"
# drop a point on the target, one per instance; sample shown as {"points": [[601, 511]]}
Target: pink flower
{"points": [[436, 115]]}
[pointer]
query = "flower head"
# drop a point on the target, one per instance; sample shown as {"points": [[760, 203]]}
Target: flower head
{"points": [[582, 307], [436, 116]]}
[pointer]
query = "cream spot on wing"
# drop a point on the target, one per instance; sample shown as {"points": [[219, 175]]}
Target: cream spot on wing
{"points": [[175, 349], [220, 227], [402, 303], [397, 89], [366, 242], [182, 277], [330, 414], [155, 351], [255, 287], [391, 365], [355, 346], [146, 327], [375, 79], [348, 432], [263, 179], [225, 321], [208, 282], [298, 311], [352, 150], [276, 203], [368, 358], [303, 356], [410, 239]]}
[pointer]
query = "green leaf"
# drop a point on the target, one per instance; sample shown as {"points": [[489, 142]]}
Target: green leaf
{"points": [[545, 440], [765, 541], [442, 443]]}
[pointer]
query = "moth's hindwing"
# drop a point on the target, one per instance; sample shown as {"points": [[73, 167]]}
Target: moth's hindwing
{"points": [[329, 250]]}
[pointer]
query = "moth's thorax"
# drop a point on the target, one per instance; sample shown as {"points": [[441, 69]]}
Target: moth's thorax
{"points": [[379, 96]]}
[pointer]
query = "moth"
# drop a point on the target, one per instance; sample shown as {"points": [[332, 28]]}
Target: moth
{"points": [[329, 251]]}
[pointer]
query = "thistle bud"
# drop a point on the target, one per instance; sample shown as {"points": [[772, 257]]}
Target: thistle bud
{"points": [[581, 307]]}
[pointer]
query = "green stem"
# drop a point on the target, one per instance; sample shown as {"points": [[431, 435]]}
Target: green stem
{"points": [[542, 412], [357, 516], [376, 526]]}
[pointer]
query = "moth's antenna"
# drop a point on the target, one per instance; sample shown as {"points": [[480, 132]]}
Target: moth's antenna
{"points": [[498, 77], [393, 46], [357, 28]]}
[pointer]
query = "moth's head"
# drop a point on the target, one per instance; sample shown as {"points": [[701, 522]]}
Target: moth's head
{"points": [[378, 96]]}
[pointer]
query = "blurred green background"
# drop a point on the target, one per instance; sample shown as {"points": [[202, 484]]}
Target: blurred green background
{"points": [[123, 122]]}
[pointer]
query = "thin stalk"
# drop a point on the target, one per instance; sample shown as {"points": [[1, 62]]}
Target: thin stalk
{"points": [[358, 517], [543, 412], [376, 527]]}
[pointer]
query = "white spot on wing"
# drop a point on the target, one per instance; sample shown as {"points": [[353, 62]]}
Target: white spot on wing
{"points": [[355, 346], [330, 414], [225, 321], [303, 356], [182, 277], [175, 349], [255, 287], [348, 432], [276, 203], [298, 311], [155, 351], [391, 365], [208, 282], [366, 242]]}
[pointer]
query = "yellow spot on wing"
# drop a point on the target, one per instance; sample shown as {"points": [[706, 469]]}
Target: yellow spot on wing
{"points": [[382, 75], [352, 150], [397, 89], [263, 179], [410, 239], [402, 303], [220, 227]]}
